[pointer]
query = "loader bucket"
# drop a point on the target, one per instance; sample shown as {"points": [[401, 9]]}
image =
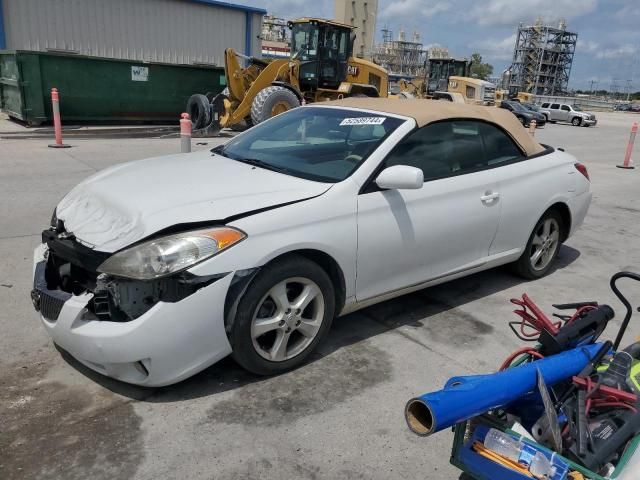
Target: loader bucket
{"points": [[220, 113]]}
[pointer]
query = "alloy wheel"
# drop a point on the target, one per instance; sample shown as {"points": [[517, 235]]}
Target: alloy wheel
{"points": [[545, 244], [287, 319]]}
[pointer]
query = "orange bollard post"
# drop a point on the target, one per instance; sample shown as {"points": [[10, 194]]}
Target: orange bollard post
{"points": [[185, 133], [532, 127], [627, 156], [57, 123]]}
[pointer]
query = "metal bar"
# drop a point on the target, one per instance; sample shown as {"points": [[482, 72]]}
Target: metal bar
{"points": [[248, 36], [3, 38], [231, 6]]}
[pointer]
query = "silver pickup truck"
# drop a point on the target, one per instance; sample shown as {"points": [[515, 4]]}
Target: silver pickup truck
{"points": [[564, 112]]}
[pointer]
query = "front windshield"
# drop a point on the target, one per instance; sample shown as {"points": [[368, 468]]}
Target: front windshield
{"points": [[316, 143], [304, 41], [576, 108]]}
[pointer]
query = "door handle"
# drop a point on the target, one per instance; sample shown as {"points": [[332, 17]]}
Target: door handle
{"points": [[489, 197]]}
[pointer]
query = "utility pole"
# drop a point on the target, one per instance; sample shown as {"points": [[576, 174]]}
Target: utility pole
{"points": [[593, 82], [628, 90], [615, 88]]}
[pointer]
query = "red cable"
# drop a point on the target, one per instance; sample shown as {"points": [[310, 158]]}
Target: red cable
{"points": [[530, 350], [615, 405], [579, 312]]}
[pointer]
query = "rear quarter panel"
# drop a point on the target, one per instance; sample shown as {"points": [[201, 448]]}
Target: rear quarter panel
{"points": [[527, 190]]}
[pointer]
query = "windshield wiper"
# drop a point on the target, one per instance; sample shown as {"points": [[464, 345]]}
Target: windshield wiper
{"points": [[262, 164]]}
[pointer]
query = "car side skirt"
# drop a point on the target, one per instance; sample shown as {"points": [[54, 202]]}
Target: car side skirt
{"points": [[491, 262]]}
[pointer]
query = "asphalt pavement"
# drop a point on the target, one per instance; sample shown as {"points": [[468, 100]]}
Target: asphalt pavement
{"points": [[338, 417]]}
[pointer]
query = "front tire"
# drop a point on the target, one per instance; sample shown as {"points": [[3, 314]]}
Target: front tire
{"points": [[286, 312], [542, 247], [576, 121], [272, 101]]}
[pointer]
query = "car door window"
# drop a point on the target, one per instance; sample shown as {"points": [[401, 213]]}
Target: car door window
{"points": [[545, 105], [565, 108], [453, 148], [555, 106], [498, 146]]}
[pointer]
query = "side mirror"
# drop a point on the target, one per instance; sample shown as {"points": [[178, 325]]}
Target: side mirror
{"points": [[400, 177]]}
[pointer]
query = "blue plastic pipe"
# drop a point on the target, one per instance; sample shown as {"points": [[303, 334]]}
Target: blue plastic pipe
{"points": [[466, 397]]}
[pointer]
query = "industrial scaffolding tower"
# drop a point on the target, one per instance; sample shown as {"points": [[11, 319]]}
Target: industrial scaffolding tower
{"points": [[542, 59], [401, 57]]}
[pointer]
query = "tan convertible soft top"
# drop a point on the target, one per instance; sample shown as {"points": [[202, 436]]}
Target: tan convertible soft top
{"points": [[429, 111]]}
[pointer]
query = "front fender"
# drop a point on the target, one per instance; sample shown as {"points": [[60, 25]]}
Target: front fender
{"points": [[326, 223]]}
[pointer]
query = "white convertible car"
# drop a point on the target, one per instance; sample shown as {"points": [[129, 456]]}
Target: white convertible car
{"points": [[153, 270]]}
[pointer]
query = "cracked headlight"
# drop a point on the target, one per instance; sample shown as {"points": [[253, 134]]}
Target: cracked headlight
{"points": [[167, 255]]}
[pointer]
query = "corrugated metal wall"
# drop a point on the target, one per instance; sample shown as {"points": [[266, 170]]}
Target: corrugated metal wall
{"points": [[172, 31]]}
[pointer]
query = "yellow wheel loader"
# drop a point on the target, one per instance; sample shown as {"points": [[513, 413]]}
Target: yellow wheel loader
{"points": [[321, 68], [449, 79]]}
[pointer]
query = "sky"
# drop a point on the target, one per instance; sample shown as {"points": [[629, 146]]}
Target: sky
{"points": [[608, 47]]}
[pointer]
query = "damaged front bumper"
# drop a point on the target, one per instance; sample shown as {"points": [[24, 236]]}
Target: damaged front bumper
{"points": [[173, 335]]}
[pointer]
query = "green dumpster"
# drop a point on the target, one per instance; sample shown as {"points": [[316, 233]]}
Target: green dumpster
{"points": [[101, 90]]}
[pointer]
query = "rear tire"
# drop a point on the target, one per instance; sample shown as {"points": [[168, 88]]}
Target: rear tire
{"points": [[199, 109], [268, 316], [542, 247], [271, 101], [522, 121]]}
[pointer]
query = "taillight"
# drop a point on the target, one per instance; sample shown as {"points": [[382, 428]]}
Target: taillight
{"points": [[582, 169]]}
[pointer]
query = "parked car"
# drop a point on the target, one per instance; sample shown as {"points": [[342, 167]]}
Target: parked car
{"points": [[153, 270], [531, 106], [622, 107], [523, 114], [635, 107], [564, 112]]}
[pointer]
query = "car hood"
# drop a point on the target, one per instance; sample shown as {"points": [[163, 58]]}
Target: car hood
{"points": [[128, 202]]}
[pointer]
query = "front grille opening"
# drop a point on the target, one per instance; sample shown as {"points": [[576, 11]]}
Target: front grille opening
{"points": [[70, 278]]}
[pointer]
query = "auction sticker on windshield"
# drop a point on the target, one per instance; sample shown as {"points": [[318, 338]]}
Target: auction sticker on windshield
{"points": [[363, 121]]}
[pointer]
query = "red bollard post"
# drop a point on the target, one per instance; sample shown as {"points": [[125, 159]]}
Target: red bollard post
{"points": [[627, 156], [185, 133], [57, 124]]}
